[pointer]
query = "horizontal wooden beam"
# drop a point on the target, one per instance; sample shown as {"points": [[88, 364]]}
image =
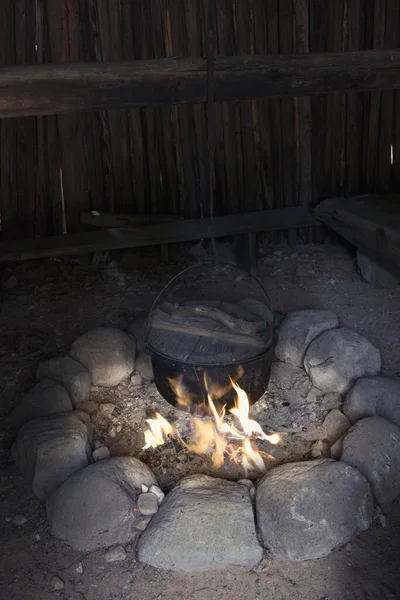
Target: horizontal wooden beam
{"points": [[53, 89], [370, 222], [154, 234], [96, 219]]}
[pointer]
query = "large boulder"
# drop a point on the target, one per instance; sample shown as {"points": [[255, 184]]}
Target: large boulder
{"points": [[307, 509], [337, 358], [108, 353], [47, 397], [373, 447], [374, 396], [203, 524], [298, 330], [50, 449], [72, 374], [97, 507]]}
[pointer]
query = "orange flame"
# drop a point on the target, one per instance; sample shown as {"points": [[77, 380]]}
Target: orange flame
{"points": [[215, 436]]}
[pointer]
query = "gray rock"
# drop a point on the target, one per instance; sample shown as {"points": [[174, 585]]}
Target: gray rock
{"points": [[108, 353], [50, 449], [57, 583], [19, 520], [373, 447], [88, 407], [101, 453], [125, 580], [337, 358], [144, 367], [148, 504], [46, 398], [203, 524], [337, 449], [137, 329], [336, 424], [298, 330], [375, 272], [374, 396], [331, 400], [142, 523], [136, 380], [95, 507], [73, 375], [307, 509], [106, 409], [115, 554]]}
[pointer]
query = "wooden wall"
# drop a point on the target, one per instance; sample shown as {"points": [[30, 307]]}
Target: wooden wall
{"points": [[269, 153]]}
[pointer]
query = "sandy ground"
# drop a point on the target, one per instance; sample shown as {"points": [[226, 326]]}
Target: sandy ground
{"points": [[62, 299]]}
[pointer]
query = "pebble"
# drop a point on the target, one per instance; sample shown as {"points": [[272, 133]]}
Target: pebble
{"points": [[88, 407], [112, 431], [119, 428], [154, 489], [136, 380], [79, 569], [57, 583], [141, 524], [125, 580], [106, 409], [101, 453], [148, 503], [115, 554], [19, 520]]}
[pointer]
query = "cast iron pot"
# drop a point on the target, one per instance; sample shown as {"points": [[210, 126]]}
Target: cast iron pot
{"points": [[254, 381]]}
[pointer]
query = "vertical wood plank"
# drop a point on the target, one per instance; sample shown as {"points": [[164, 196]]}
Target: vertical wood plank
{"points": [[373, 115], [354, 148], [64, 36], [8, 183], [386, 124]]}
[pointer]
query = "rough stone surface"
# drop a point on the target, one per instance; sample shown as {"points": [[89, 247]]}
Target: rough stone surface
{"points": [[88, 407], [337, 358], [307, 509], [144, 366], [375, 273], [95, 507], [374, 396], [108, 353], [73, 375], [115, 554], [335, 425], [290, 398], [106, 409], [48, 397], [373, 447], [50, 449], [148, 504], [298, 330], [101, 453], [203, 524]]}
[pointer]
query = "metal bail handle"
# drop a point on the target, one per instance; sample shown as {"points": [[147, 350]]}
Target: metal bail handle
{"points": [[198, 265]]}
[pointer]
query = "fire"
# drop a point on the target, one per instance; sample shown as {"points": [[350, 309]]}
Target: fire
{"points": [[214, 435]]}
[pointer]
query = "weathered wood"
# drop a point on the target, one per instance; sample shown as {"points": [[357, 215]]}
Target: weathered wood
{"points": [[97, 219], [51, 89], [149, 235], [369, 222]]}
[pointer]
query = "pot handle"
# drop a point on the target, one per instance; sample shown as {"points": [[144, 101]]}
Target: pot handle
{"points": [[259, 283]]}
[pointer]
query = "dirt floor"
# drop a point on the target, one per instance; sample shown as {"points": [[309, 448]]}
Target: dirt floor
{"points": [[62, 299]]}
